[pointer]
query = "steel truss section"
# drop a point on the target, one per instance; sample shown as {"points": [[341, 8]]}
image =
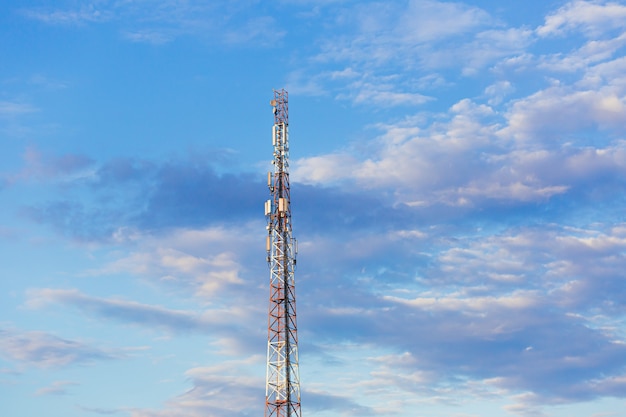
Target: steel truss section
{"points": [[282, 389]]}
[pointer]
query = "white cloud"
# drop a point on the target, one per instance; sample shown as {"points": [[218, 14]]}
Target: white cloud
{"points": [[56, 388], [561, 110], [39, 166], [85, 14], [428, 21], [530, 152], [388, 46], [567, 267], [10, 109], [152, 36], [498, 91], [374, 95], [516, 191], [226, 323], [324, 169], [517, 300], [46, 350], [122, 310], [160, 22], [489, 47], [205, 262], [594, 52], [227, 389], [261, 30], [417, 162], [593, 18]]}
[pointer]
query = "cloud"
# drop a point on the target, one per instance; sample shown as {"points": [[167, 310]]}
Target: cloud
{"points": [[418, 163], [103, 411], [385, 48], [172, 321], [46, 350], [379, 96], [11, 109], [161, 22], [427, 21], [227, 389], [152, 36], [495, 334], [562, 110], [85, 14], [126, 311], [206, 265], [124, 193], [76, 221], [377, 25], [41, 167], [193, 196], [231, 389], [263, 29], [56, 388], [493, 44], [591, 58], [593, 18], [204, 262], [6, 371], [320, 401], [411, 157], [508, 298], [504, 152], [498, 91]]}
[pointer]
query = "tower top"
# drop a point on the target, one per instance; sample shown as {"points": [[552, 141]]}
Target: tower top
{"points": [[280, 107]]}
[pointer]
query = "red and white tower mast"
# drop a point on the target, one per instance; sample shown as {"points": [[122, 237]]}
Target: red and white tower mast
{"points": [[282, 388]]}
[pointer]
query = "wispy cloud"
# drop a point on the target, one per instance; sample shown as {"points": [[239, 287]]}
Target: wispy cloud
{"points": [[43, 167], [102, 411], [148, 195], [591, 17], [318, 401], [85, 14], [232, 327], [204, 262], [124, 311], [162, 22], [152, 36], [228, 389], [561, 109], [501, 298], [46, 350], [56, 388], [395, 44], [12, 109], [380, 95]]}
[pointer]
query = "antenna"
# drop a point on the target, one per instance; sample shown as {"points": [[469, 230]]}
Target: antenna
{"points": [[282, 387]]}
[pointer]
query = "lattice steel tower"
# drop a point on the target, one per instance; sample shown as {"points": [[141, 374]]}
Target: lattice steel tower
{"points": [[282, 387]]}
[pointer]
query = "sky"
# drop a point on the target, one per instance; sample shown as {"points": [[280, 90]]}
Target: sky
{"points": [[458, 172]]}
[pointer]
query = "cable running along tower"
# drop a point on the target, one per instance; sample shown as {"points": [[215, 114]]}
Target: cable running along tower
{"points": [[282, 387]]}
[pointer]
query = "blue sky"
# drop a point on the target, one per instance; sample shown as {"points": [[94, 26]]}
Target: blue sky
{"points": [[457, 191]]}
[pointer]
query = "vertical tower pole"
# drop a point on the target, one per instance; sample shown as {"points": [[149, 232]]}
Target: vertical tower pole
{"points": [[282, 388]]}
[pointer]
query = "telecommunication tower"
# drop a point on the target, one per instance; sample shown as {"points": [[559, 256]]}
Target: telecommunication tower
{"points": [[282, 386]]}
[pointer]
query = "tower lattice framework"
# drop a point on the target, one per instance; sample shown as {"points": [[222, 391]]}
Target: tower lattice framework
{"points": [[282, 388]]}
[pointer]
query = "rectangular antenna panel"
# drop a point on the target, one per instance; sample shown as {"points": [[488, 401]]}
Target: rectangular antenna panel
{"points": [[282, 205]]}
